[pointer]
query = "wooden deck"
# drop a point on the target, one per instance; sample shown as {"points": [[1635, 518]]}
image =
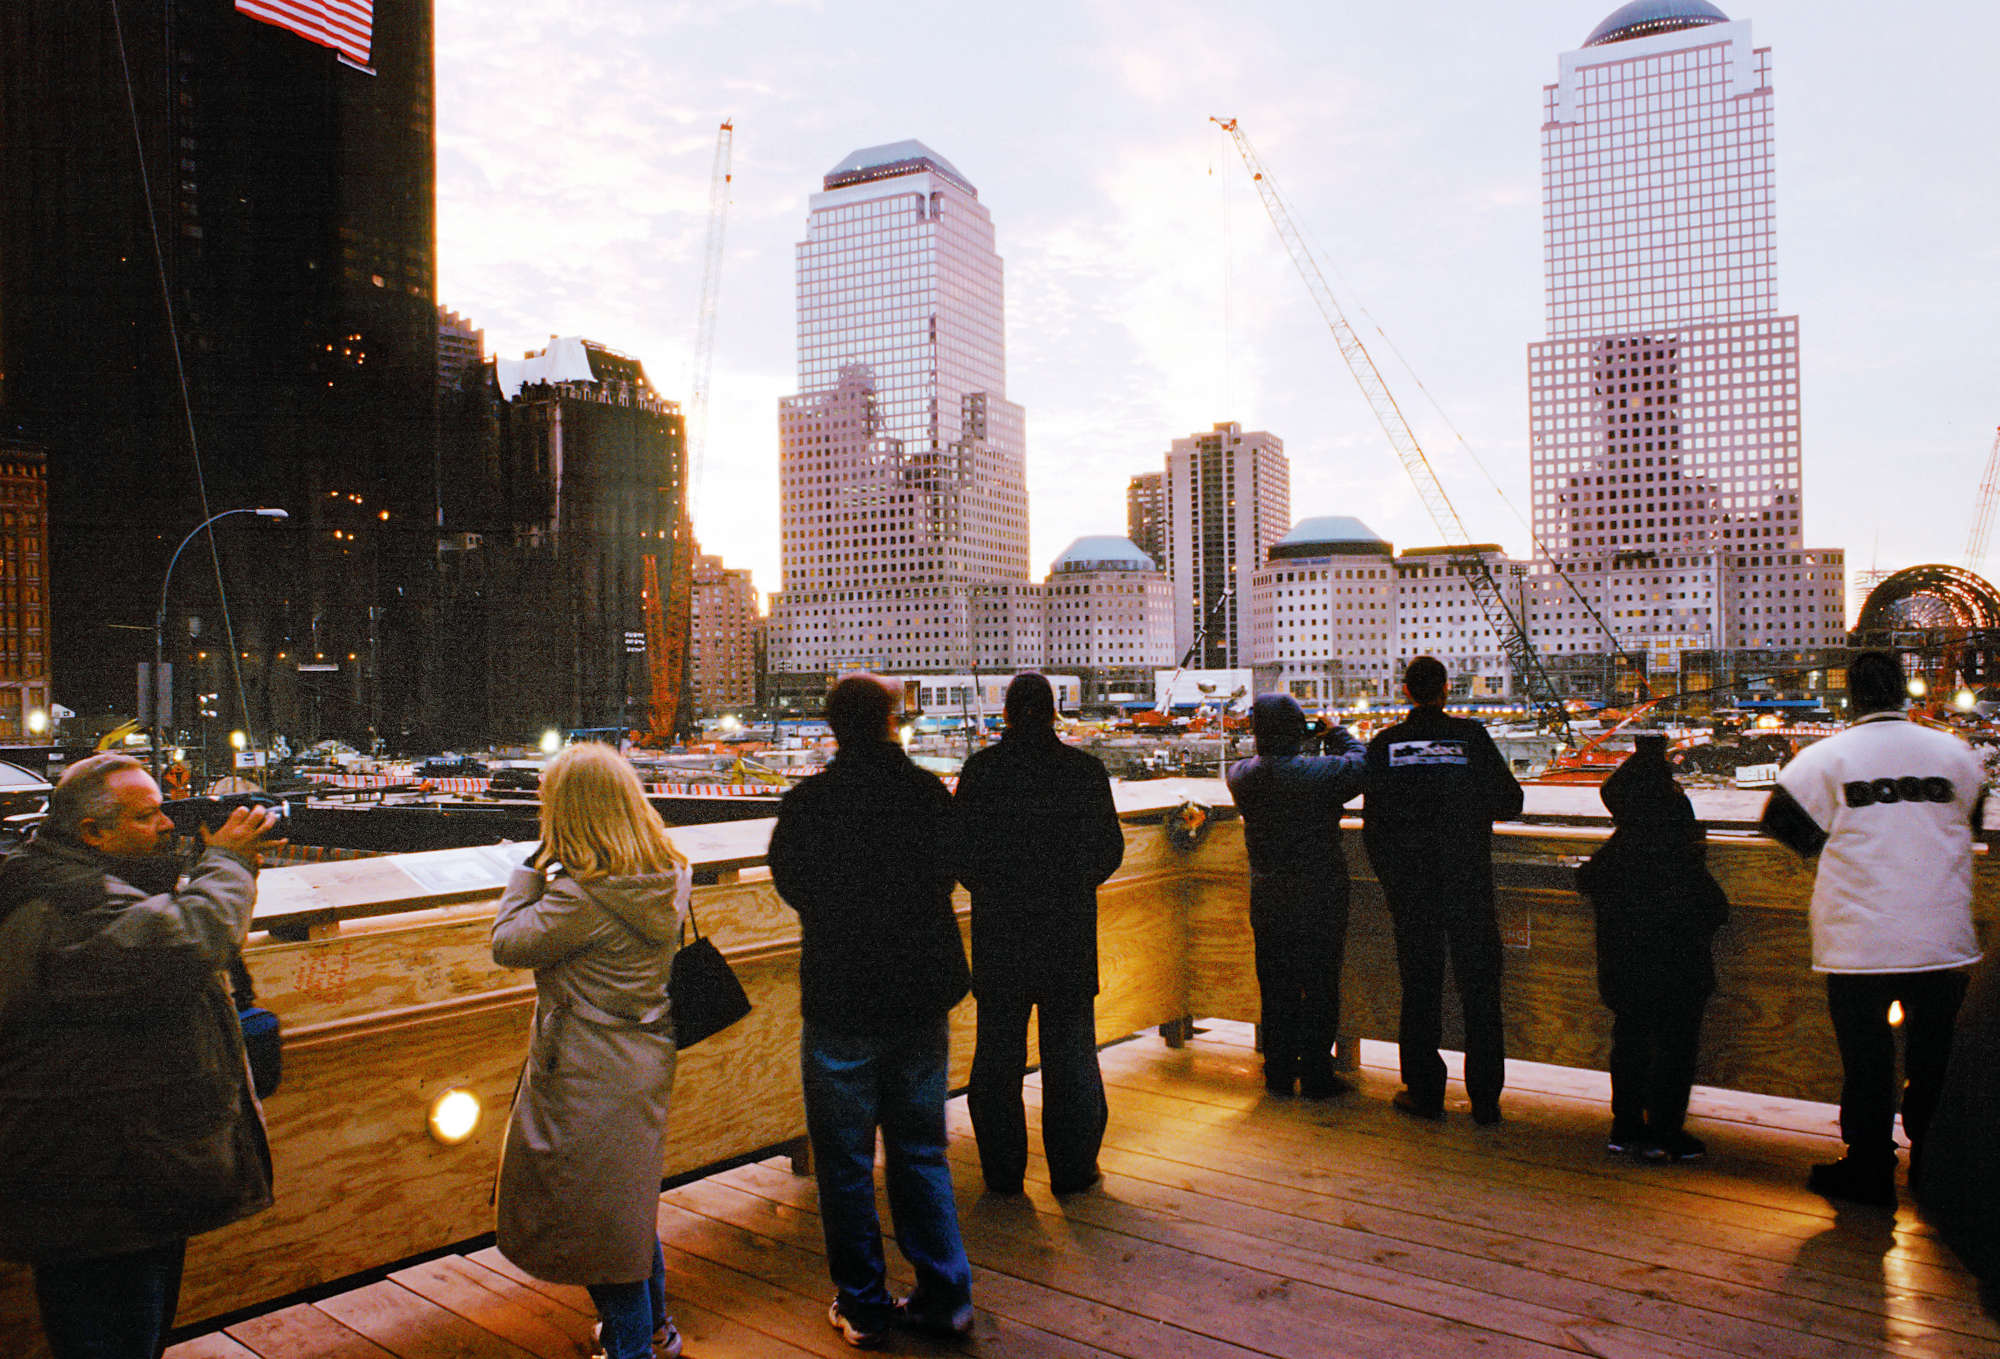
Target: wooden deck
{"points": [[1233, 1224]]}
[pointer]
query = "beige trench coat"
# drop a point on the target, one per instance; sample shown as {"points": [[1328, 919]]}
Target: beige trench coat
{"points": [[580, 1173]]}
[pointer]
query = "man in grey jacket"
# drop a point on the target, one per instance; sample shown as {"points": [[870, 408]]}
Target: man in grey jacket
{"points": [[127, 1121]]}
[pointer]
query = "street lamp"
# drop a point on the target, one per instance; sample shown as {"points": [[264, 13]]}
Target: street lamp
{"points": [[160, 618]]}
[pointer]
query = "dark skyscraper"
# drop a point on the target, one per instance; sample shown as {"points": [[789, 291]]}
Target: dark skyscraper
{"points": [[292, 201], [564, 472]]}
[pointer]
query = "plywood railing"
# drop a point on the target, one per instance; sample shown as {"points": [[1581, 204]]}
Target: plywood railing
{"points": [[381, 972]]}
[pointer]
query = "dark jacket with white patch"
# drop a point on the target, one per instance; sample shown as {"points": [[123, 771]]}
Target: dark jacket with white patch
{"points": [[1889, 807], [1435, 786]]}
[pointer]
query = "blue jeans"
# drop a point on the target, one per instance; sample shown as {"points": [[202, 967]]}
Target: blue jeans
{"points": [[112, 1307], [854, 1084], [631, 1312]]}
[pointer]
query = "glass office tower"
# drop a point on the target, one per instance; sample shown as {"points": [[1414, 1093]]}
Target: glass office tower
{"points": [[904, 493], [1665, 420]]}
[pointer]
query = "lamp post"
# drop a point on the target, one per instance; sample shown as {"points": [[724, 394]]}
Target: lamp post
{"points": [[160, 618]]}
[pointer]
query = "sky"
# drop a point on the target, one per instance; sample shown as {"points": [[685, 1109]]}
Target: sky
{"points": [[1148, 296]]}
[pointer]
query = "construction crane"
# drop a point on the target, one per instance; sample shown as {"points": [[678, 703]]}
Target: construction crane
{"points": [[1982, 513], [1509, 627], [668, 619], [669, 611], [704, 328]]}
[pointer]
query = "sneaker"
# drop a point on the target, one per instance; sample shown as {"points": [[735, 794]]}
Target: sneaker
{"points": [[1407, 1101], [1626, 1137], [666, 1341], [859, 1337], [1856, 1181], [952, 1324], [1674, 1147]]}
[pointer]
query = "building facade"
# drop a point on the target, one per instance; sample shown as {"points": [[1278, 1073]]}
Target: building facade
{"points": [[1323, 613], [293, 197], [1110, 619], [1665, 423], [723, 639], [1229, 498], [566, 488], [904, 501], [1146, 514], [1338, 614], [461, 347], [24, 589]]}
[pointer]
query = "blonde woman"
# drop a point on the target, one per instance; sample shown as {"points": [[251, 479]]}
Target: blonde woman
{"points": [[596, 913]]}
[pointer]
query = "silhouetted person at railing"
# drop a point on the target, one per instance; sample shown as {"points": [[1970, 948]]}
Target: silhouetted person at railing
{"points": [[127, 1119], [596, 913], [863, 852], [1657, 909], [1960, 1187], [1436, 785], [1298, 889], [1890, 809], [1038, 832]]}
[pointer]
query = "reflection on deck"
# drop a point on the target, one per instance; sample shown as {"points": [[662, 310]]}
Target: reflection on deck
{"points": [[390, 998], [1235, 1224]]}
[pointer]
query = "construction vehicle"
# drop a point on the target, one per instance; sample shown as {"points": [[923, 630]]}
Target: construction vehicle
{"points": [[1161, 714], [1507, 625]]}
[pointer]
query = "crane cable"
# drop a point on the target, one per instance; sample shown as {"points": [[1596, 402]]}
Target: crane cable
{"points": [[1323, 257], [187, 403]]}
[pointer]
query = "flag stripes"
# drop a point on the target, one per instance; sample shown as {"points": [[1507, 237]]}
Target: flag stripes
{"points": [[347, 26]]}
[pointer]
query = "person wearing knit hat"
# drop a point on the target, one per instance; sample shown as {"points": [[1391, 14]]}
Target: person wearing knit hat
{"points": [[1657, 909], [1291, 804]]}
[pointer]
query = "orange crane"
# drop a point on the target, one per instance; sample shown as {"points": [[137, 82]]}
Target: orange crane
{"points": [[669, 619]]}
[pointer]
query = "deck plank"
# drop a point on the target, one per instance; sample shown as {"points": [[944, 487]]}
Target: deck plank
{"points": [[498, 1309], [411, 1327], [214, 1345], [1833, 1267], [1235, 1225], [789, 1263], [708, 1332], [303, 1332], [1392, 1154]]}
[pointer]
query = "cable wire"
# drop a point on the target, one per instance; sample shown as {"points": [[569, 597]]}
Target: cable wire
{"points": [[180, 377]]}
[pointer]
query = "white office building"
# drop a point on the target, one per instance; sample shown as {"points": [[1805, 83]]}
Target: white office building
{"points": [[904, 500], [1110, 618], [1228, 499], [1665, 420]]}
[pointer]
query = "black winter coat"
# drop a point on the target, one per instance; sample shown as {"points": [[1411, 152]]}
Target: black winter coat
{"points": [[863, 852], [1656, 903], [1038, 832]]}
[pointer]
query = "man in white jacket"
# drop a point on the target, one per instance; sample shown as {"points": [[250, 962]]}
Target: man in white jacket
{"points": [[1891, 809]]}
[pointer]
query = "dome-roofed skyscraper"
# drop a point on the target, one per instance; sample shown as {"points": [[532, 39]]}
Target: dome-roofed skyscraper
{"points": [[901, 463], [1665, 420]]}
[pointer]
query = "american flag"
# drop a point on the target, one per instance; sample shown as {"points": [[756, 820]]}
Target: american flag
{"points": [[347, 26]]}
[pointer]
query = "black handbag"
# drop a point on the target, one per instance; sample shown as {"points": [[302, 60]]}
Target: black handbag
{"points": [[263, 1042], [706, 996]]}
